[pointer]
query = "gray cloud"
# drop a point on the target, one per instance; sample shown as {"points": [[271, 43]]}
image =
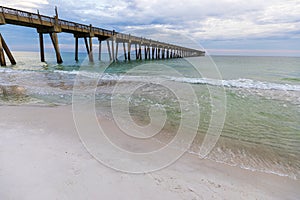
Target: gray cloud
{"points": [[222, 19]]}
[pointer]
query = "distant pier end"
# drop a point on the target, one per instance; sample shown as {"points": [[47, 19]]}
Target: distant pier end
{"points": [[53, 25]]}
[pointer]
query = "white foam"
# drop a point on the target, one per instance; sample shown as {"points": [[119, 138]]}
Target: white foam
{"points": [[92, 75], [6, 70], [236, 83], [66, 72], [239, 83]]}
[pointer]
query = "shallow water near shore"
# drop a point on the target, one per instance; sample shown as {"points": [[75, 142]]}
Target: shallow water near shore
{"points": [[261, 130]]}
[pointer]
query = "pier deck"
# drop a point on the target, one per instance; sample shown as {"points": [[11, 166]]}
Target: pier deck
{"points": [[53, 25]]}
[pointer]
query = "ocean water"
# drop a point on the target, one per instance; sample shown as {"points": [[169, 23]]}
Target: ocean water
{"points": [[261, 127]]}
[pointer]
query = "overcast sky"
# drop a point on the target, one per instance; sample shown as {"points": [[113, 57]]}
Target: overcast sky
{"points": [[238, 27]]}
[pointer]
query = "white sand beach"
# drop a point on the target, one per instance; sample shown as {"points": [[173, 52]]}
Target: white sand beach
{"points": [[42, 157]]}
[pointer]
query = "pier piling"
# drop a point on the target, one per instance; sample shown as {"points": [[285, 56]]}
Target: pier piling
{"points": [[124, 48], [108, 49], [54, 40], [42, 51], [129, 50], [76, 49], [2, 58], [3, 46], [91, 56], [100, 48]]}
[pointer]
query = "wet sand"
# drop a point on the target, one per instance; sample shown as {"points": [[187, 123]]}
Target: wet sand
{"points": [[42, 157]]}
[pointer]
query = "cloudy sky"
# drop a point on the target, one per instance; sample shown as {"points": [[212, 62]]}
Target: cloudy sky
{"points": [[238, 27]]}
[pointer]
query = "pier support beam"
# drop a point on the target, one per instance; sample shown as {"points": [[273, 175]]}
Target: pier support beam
{"points": [[42, 51], [158, 54], [140, 51], [100, 48], [136, 52], [113, 49], [153, 52], [117, 50], [91, 57], [129, 50], [3, 46], [54, 40], [2, 58], [146, 52], [124, 48], [149, 52], [76, 49], [108, 49], [89, 48], [86, 45]]}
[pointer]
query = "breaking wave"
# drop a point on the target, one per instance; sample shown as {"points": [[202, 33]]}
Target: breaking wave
{"points": [[239, 83]]}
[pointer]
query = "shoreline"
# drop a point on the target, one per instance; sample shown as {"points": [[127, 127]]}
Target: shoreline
{"points": [[40, 151]]}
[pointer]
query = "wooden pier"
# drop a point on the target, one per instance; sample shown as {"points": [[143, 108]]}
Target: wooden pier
{"points": [[54, 25]]}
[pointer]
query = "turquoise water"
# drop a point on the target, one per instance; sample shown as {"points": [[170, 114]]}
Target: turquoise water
{"points": [[261, 130]]}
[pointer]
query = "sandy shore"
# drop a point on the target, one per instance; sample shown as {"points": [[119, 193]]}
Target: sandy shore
{"points": [[41, 157]]}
